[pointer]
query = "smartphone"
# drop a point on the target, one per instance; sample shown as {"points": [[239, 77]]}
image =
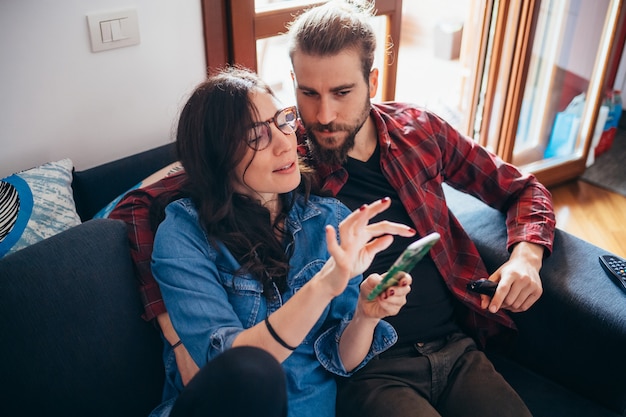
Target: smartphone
{"points": [[405, 262]]}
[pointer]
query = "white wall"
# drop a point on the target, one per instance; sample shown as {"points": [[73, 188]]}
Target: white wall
{"points": [[58, 99]]}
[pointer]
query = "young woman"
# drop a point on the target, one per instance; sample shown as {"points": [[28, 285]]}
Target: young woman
{"points": [[251, 257]]}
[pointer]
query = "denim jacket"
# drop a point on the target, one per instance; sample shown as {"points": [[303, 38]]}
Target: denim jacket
{"points": [[209, 305]]}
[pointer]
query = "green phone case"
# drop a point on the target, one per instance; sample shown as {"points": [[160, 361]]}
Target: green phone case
{"points": [[405, 262]]}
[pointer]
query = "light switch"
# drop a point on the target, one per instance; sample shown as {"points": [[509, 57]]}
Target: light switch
{"points": [[113, 30], [116, 30], [105, 30]]}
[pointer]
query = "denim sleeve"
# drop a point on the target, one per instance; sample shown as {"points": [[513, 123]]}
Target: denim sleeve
{"points": [[327, 346], [342, 309], [183, 263]]}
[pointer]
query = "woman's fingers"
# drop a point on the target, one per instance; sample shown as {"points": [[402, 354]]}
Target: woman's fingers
{"points": [[389, 302], [358, 222], [390, 228], [362, 216]]}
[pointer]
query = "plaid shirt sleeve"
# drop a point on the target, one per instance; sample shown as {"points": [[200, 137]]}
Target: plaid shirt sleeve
{"points": [[134, 210]]}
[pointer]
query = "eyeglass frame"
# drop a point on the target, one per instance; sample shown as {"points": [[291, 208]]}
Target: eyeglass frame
{"points": [[253, 143]]}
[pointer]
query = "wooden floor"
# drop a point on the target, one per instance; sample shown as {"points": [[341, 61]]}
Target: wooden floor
{"points": [[591, 213]]}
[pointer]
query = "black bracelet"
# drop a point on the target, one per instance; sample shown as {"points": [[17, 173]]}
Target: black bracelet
{"points": [[175, 345], [276, 336]]}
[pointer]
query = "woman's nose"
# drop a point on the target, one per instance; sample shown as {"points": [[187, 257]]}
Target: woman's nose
{"points": [[282, 141]]}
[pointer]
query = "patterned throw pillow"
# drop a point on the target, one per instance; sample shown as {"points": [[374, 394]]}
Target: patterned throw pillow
{"points": [[36, 204]]}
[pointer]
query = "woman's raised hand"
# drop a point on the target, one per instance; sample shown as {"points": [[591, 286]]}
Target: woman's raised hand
{"points": [[359, 242]]}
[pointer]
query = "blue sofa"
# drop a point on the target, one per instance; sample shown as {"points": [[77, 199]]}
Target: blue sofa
{"points": [[73, 343]]}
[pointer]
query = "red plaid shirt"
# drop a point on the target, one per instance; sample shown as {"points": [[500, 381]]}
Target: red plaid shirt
{"points": [[134, 210], [419, 152]]}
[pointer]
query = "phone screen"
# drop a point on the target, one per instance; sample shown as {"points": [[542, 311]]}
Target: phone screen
{"points": [[405, 262]]}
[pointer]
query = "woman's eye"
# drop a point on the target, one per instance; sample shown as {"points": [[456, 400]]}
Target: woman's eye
{"points": [[258, 137]]}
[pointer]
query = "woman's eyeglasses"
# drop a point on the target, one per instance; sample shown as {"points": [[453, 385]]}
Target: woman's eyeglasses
{"points": [[286, 120]]}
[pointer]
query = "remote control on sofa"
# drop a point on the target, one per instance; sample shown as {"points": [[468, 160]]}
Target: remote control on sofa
{"points": [[616, 268]]}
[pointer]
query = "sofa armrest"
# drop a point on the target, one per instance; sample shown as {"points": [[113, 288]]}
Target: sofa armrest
{"points": [[73, 342], [575, 333]]}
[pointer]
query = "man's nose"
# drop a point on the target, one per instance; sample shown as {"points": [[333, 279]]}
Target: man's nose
{"points": [[326, 112]]}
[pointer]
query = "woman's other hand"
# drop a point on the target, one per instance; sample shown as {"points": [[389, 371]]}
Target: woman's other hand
{"points": [[389, 302]]}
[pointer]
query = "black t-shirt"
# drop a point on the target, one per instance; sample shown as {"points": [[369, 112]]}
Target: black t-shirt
{"points": [[429, 311]]}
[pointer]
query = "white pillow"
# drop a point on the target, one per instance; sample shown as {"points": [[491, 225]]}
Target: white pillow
{"points": [[35, 204]]}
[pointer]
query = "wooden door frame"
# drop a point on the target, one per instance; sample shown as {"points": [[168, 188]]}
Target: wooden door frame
{"points": [[216, 34], [230, 38]]}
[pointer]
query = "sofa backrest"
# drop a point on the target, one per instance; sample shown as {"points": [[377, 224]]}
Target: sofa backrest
{"points": [[96, 187], [73, 341]]}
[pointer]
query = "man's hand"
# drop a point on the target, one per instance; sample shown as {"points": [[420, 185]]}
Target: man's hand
{"points": [[519, 284], [186, 365]]}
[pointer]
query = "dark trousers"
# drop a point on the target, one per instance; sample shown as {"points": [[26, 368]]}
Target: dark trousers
{"points": [[449, 377], [241, 382]]}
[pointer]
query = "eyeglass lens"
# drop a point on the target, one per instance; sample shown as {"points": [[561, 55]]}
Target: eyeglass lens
{"points": [[285, 120]]}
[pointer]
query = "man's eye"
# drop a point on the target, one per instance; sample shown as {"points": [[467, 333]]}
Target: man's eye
{"points": [[343, 93]]}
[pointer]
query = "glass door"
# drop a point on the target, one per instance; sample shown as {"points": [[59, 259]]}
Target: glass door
{"points": [[544, 82]]}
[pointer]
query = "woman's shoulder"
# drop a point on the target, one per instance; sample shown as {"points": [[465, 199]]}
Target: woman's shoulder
{"points": [[316, 205], [179, 211], [182, 205]]}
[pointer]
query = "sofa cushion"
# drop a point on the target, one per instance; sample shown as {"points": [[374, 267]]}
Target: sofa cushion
{"points": [[73, 341], [35, 204]]}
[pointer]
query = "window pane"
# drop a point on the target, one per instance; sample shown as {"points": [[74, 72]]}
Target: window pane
{"points": [[560, 72], [274, 67], [432, 67]]}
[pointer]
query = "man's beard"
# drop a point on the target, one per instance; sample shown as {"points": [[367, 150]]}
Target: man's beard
{"points": [[334, 156]]}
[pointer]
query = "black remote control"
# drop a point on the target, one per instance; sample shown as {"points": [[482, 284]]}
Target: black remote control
{"points": [[483, 286], [616, 268]]}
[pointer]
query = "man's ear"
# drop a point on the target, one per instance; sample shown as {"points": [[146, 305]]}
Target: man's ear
{"points": [[293, 80], [373, 82]]}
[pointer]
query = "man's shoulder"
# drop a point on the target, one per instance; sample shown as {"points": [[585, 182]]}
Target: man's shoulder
{"points": [[395, 114], [398, 107], [168, 183], [141, 198]]}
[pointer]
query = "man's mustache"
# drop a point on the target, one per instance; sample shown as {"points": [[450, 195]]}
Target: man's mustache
{"points": [[328, 128]]}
